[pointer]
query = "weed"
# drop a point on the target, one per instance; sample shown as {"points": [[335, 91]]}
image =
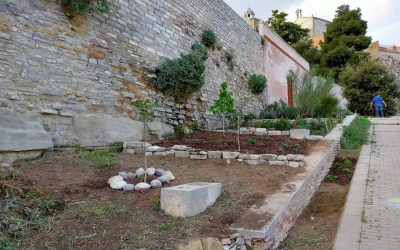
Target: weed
{"points": [[337, 165], [331, 177], [155, 203], [216, 141], [347, 163], [296, 147], [285, 146], [347, 171], [265, 135], [168, 225], [252, 141], [179, 131], [105, 157], [194, 126], [279, 151], [356, 134]]}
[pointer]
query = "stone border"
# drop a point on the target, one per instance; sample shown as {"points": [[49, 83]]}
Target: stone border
{"points": [[183, 151], [286, 205]]}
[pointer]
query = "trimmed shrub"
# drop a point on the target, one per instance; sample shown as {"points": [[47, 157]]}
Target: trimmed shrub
{"points": [[249, 117], [282, 125], [257, 83], [327, 106], [179, 131], [81, 7], [209, 38], [289, 113], [182, 76]]}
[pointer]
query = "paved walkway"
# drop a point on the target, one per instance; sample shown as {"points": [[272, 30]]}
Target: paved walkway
{"points": [[371, 217]]}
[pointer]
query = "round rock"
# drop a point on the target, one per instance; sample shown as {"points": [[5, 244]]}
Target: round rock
{"points": [[164, 179], [123, 174], [115, 178], [131, 175], [142, 186], [160, 172], [117, 184], [129, 188], [140, 173], [171, 176], [150, 171], [155, 184]]}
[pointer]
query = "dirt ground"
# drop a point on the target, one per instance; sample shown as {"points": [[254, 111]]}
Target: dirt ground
{"points": [[93, 216], [316, 227], [252, 144]]}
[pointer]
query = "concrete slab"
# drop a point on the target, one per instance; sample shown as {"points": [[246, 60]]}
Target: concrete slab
{"points": [[189, 199], [299, 133]]}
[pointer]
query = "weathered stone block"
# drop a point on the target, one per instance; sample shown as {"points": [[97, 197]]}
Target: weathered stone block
{"points": [[189, 199], [299, 133], [268, 157], [274, 132], [294, 164], [198, 157], [214, 154], [285, 132], [256, 162], [277, 163], [182, 154], [230, 155], [282, 158], [261, 130], [249, 157], [211, 244]]}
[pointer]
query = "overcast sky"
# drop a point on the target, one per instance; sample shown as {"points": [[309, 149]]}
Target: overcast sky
{"points": [[383, 16]]}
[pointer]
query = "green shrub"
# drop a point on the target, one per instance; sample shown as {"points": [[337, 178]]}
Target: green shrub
{"points": [[82, 7], [194, 126], [209, 38], [331, 177], [302, 123], [179, 131], [264, 124], [347, 163], [200, 50], [257, 83], [265, 135], [249, 117], [267, 114], [182, 76], [285, 146], [347, 171], [282, 125], [289, 113], [296, 147], [252, 141], [327, 106]]}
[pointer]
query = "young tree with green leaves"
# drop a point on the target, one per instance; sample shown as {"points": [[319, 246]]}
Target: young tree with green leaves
{"points": [[289, 31], [146, 113], [224, 105], [307, 50], [344, 39], [363, 82]]}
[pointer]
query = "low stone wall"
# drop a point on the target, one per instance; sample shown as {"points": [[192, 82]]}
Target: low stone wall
{"points": [[183, 151], [285, 206]]}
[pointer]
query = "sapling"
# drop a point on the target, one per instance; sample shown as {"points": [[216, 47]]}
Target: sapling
{"points": [[146, 112], [224, 105]]}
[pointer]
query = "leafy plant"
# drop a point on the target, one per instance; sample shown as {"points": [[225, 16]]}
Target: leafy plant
{"points": [[347, 163], [146, 113], [209, 38], [182, 76], [347, 171], [264, 124], [257, 83], [327, 106], [331, 177], [265, 135], [296, 147], [282, 125], [179, 131], [355, 135], [252, 141], [285, 146], [224, 105], [81, 7], [279, 151], [194, 126], [200, 50], [249, 117]]}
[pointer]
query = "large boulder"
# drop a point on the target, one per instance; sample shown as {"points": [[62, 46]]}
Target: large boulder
{"points": [[100, 129], [20, 132], [160, 129]]}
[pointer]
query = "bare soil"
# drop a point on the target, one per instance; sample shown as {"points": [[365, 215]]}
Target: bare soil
{"points": [[316, 227], [207, 140], [93, 216]]}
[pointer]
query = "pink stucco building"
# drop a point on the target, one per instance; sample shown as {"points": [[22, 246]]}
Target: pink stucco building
{"points": [[279, 58]]}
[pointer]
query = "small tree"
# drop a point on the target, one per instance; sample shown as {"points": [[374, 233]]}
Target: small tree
{"points": [[224, 104], [146, 112]]}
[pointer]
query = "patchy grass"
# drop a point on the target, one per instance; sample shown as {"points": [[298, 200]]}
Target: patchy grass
{"points": [[354, 137], [104, 157]]}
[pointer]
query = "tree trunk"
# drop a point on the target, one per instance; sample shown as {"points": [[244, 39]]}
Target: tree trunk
{"points": [[144, 145], [238, 132], [223, 124]]}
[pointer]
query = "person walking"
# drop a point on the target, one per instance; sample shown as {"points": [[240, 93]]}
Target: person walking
{"points": [[377, 101]]}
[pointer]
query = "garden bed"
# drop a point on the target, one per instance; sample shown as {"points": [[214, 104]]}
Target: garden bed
{"points": [[251, 144], [90, 215]]}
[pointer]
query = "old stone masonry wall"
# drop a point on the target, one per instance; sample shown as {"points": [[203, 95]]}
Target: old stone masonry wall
{"points": [[71, 82]]}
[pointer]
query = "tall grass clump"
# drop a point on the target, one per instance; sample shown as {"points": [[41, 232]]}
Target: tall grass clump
{"points": [[356, 134]]}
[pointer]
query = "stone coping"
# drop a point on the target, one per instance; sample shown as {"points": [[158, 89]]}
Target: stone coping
{"points": [[286, 205]]}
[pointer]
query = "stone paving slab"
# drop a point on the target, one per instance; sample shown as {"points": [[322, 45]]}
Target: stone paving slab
{"points": [[371, 217]]}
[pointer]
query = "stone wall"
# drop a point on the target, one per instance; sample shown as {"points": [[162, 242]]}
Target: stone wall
{"points": [[74, 74]]}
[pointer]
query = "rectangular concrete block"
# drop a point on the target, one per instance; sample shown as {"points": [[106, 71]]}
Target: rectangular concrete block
{"points": [[189, 199], [182, 154], [274, 132], [230, 155], [299, 133], [198, 157], [214, 154]]}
